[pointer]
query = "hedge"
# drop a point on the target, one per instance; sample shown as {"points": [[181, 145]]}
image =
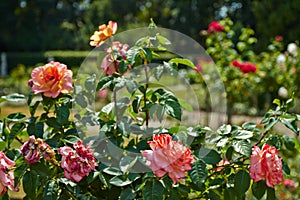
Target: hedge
{"points": [[70, 58]]}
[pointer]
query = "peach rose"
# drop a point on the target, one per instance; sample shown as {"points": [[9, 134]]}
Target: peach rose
{"points": [[266, 164], [168, 156], [51, 79], [105, 31]]}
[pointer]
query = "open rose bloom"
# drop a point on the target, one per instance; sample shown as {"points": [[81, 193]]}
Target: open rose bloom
{"points": [[266, 164], [168, 156], [6, 174], [51, 79], [105, 31], [77, 162]]}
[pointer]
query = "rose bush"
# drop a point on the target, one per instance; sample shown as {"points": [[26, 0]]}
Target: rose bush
{"points": [[51, 156]]}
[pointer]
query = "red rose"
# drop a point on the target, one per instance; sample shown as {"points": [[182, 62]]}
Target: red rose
{"points": [[215, 27]]}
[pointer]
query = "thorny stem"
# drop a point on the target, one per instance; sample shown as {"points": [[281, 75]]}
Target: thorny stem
{"points": [[145, 93], [115, 104], [262, 137]]}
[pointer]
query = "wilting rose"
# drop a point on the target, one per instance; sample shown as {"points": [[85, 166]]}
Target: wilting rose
{"points": [[215, 27], [105, 31], [51, 79], [31, 149], [110, 62], [246, 67], [266, 164], [77, 162], [168, 156], [289, 184], [7, 179]]}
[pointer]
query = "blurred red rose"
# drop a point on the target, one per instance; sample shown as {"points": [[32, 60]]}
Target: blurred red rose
{"points": [[215, 27]]}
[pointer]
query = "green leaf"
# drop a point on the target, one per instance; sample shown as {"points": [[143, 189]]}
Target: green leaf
{"points": [[249, 125], [243, 147], [136, 103], [291, 124], [185, 105], [118, 181], [127, 194], [198, 173], [173, 109], [288, 142], [122, 67], [62, 114], [41, 169], [272, 121], [259, 189], [81, 100], [16, 117], [225, 129], [285, 167], [229, 194], [241, 182], [183, 61], [270, 193], [112, 171], [131, 86], [209, 156], [158, 72], [126, 163], [15, 97], [104, 82], [30, 181], [277, 102], [153, 190], [90, 83], [242, 134], [163, 40], [3, 144], [51, 191]]}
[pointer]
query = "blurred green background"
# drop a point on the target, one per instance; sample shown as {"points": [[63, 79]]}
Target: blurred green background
{"points": [[43, 25]]}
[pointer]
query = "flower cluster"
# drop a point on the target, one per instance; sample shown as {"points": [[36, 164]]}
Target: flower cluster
{"points": [[266, 164], [105, 31], [6, 174], [77, 162], [51, 79], [246, 67], [110, 62], [168, 156]]}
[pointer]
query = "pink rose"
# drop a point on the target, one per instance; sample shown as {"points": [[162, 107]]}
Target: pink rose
{"points": [[168, 156], [110, 62], [77, 162], [51, 79], [105, 31], [31, 149], [215, 27], [289, 184], [103, 93], [266, 164], [6, 174]]}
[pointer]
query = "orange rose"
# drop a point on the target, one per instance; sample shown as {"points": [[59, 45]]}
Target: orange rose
{"points": [[105, 31], [51, 79]]}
